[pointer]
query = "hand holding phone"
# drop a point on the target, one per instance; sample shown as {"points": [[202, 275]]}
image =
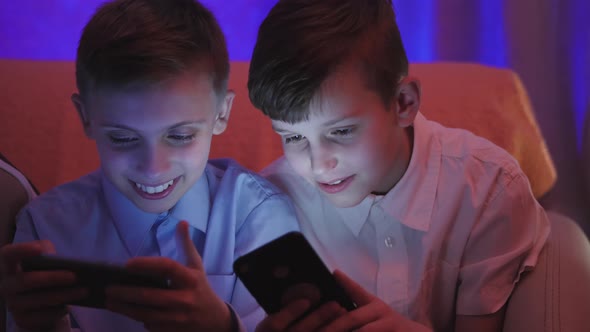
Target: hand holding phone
{"points": [[36, 300], [191, 305], [286, 269], [93, 276]]}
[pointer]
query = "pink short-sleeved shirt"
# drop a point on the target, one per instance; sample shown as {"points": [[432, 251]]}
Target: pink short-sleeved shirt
{"points": [[451, 238]]}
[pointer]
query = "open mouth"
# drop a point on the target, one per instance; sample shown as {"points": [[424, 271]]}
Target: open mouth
{"points": [[155, 192], [335, 186]]}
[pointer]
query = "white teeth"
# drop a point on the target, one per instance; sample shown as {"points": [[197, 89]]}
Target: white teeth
{"points": [[154, 190], [335, 183]]}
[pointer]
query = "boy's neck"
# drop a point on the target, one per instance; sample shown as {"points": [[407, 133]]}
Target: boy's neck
{"points": [[409, 135]]}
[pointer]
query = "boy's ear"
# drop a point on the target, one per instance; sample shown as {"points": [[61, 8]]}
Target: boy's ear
{"points": [[223, 112], [82, 113], [407, 101]]}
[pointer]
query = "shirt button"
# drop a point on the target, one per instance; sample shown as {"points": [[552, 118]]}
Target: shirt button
{"points": [[389, 242]]}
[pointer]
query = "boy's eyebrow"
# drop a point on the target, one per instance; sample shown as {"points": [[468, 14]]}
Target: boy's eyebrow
{"points": [[278, 130], [335, 121], [184, 123], [180, 124], [326, 124]]}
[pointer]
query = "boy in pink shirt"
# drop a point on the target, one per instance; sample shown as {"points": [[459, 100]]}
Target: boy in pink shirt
{"points": [[429, 227]]}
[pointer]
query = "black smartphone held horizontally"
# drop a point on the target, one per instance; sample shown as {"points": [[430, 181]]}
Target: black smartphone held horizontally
{"points": [[94, 276], [286, 269]]}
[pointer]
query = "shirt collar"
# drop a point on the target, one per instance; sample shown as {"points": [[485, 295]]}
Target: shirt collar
{"points": [[194, 206], [411, 200], [356, 216], [134, 224]]}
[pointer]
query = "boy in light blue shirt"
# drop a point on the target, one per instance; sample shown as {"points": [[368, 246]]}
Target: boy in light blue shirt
{"points": [[152, 91]]}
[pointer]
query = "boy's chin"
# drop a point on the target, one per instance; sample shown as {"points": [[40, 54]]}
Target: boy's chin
{"points": [[155, 207], [344, 201]]}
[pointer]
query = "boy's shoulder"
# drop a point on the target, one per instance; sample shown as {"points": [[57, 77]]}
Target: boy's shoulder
{"points": [[462, 147], [64, 206], [69, 195], [281, 174], [279, 168], [227, 173], [239, 193]]}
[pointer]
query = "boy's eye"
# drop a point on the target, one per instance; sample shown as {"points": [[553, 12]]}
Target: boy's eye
{"points": [[342, 132], [293, 139], [181, 138], [123, 140]]}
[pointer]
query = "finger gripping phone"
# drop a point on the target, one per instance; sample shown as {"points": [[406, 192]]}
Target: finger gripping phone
{"points": [[94, 276], [286, 269]]}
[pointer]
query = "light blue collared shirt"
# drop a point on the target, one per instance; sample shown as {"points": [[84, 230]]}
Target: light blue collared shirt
{"points": [[231, 211]]}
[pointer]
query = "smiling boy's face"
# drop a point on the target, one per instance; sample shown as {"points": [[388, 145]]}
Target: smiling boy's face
{"points": [[352, 145], [154, 142]]}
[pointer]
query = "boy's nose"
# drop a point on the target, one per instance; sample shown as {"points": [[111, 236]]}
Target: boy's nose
{"points": [[323, 161], [154, 163]]}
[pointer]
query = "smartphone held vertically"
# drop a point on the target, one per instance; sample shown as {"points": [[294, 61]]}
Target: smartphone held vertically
{"points": [[94, 276], [286, 269]]}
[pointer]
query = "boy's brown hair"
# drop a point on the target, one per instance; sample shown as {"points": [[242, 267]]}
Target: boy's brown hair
{"points": [[301, 42], [144, 42]]}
